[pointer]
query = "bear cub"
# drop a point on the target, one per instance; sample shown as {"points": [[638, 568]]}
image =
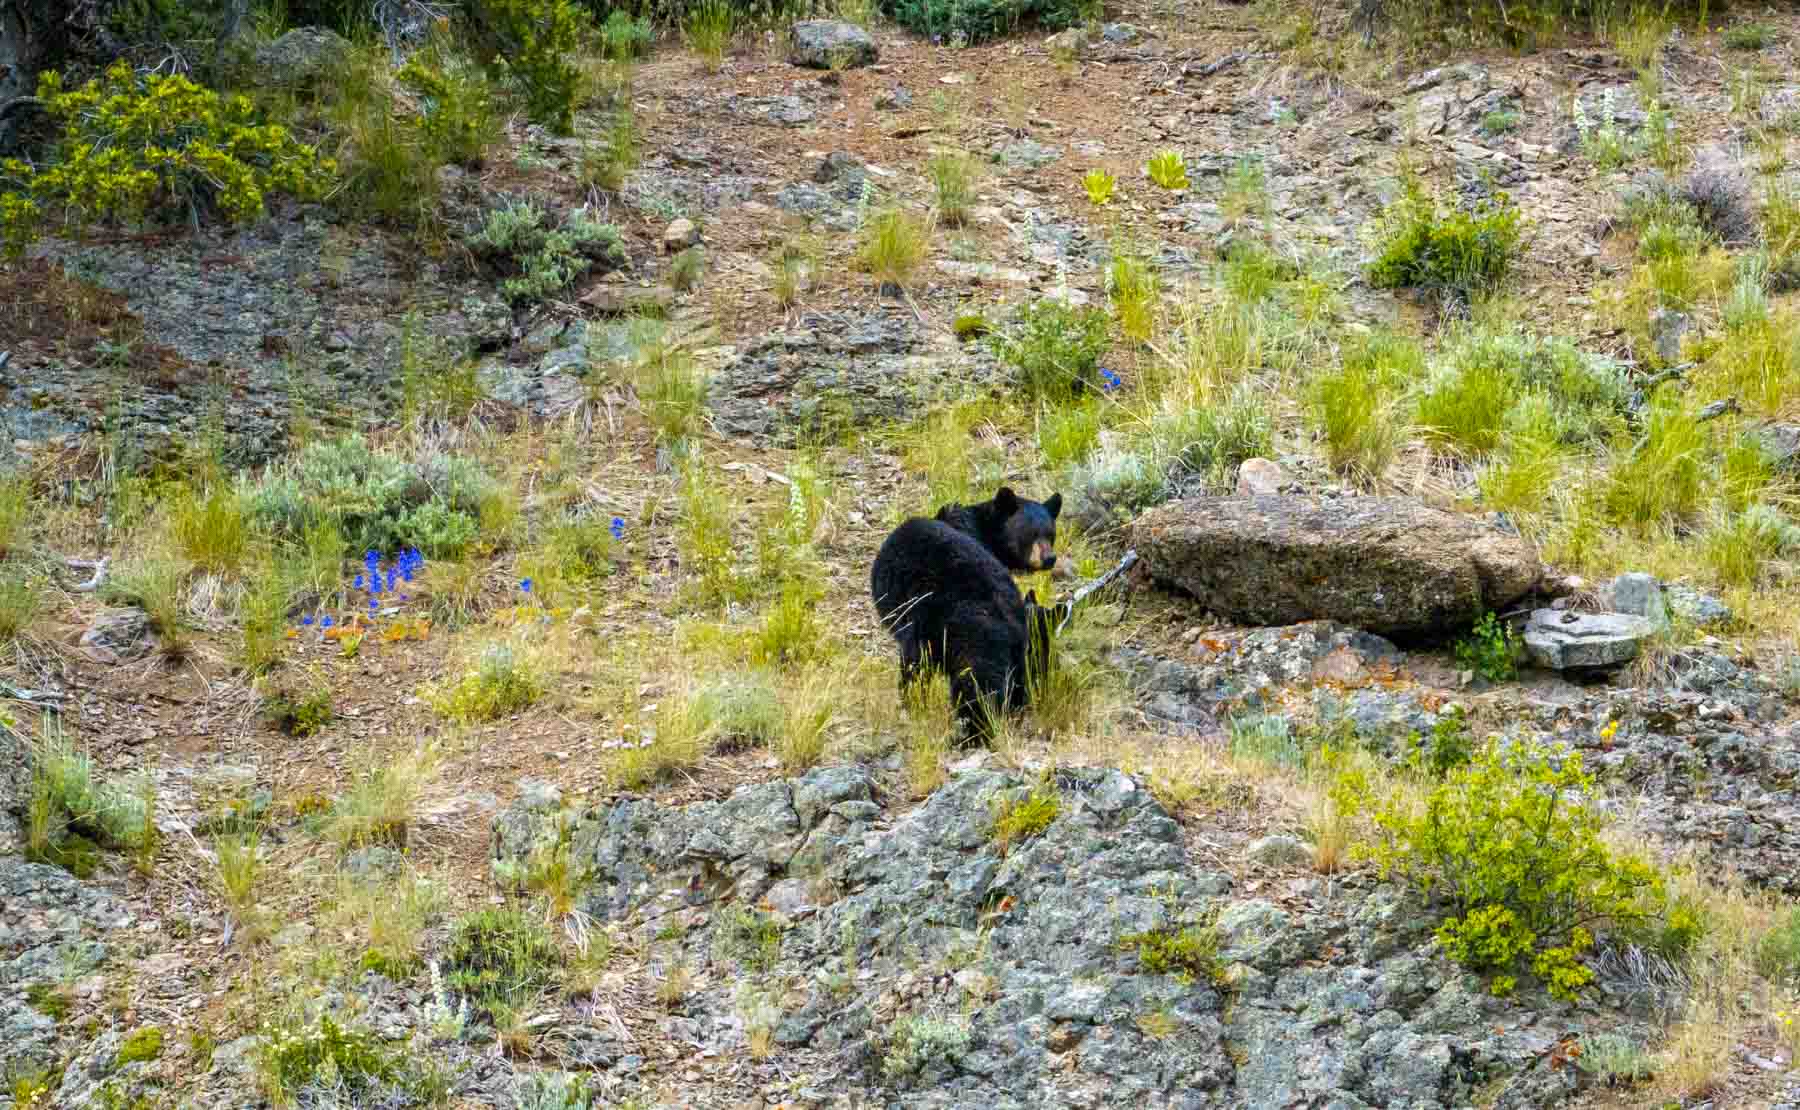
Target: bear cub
{"points": [[944, 590]]}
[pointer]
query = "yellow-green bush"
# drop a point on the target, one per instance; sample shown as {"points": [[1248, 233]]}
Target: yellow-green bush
{"points": [[132, 147], [537, 44], [1512, 842]]}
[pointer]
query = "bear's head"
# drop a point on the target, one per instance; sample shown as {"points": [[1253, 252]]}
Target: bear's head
{"points": [[1023, 531]]}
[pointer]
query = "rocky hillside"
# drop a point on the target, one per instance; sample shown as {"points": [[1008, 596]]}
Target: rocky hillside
{"points": [[438, 665]]}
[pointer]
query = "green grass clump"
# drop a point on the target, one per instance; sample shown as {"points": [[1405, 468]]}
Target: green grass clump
{"points": [[750, 937], [790, 631], [504, 680], [1749, 36], [1190, 954], [71, 814], [952, 174], [1265, 738], [299, 713], [1054, 347], [1778, 952], [20, 602], [686, 268], [460, 119], [1067, 434], [625, 37], [142, 1045], [1457, 253], [1356, 406], [739, 713], [212, 531], [1514, 843], [1134, 290], [1019, 818], [15, 512], [607, 163], [892, 246], [1660, 475], [709, 27], [500, 959]]}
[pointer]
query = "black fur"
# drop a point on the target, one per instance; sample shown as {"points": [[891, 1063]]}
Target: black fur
{"points": [[1010, 526], [952, 605]]}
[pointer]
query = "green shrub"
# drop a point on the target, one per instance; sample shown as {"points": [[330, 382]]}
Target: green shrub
{"points": [[374, 499], [1211, 441], [1488, 649], [134, 147], [536, 43], [460, 118], [1447, 747], [952, 174], [974, 21], [1458, 253], [1265, 738], [750, 937], [1513, 842], [299, 712], [1778, 952], [1168, 169], [500, 959], [1189, 954], [329, 1057], [920, 1041], [1055, 347], [1613, 1058], [624, 37], [540, 261], [1749, 36]]}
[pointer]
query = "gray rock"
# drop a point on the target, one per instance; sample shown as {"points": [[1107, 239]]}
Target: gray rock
{"points": [[117, 636], [1565, 640], [617, 299], [1639, 595], [1280, 850], [1667, 329], [895, 99], [1782, 442], [829, 44], [1384, 564], [679, 235], [1027, 154], [1260, 477], [1697, 607], [302, 56]]}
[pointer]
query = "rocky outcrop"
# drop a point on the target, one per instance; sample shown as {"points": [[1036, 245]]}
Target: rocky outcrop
{"points": [[1383, 564], [912, 961], [303, 56]]}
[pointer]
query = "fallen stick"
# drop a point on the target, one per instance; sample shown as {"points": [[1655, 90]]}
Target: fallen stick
{"points": [[1100, 583]]}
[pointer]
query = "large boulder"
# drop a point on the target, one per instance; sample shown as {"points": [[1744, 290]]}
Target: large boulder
{"points": [[303, 56], [1383, 564], [825, 43]]}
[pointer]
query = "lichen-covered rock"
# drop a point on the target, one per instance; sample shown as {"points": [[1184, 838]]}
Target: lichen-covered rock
{"points": [[829, 44], [302, 56], [1383, 564]]}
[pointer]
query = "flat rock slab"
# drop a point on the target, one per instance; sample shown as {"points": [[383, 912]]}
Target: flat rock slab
{"points": [[1564, 640], [1387, 565]]}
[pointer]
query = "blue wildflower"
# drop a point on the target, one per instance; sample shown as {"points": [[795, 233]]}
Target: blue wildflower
{"points": [[618, 528], [358, 584], [390, 580], [374, 605], [371, 559], [525, 584], [375, 584], [1110, 381], [307, 620], [327, 622]]}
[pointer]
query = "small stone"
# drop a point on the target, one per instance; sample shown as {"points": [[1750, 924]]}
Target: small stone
{"points": [[302, 56], [680, 235], [1570, 641], [117, 636], [829, 44], [1028, 154], [893, 100], [1260, 477], [1279, 850], [620, 300]]}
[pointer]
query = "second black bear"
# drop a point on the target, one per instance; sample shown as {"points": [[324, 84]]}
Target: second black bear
{"points": [[947, 596]]}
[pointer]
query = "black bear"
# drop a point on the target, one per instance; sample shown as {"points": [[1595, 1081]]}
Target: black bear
{"points": [[944, 591], [1020, 533]]}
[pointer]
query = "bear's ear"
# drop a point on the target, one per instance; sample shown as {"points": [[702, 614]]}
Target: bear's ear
{"points": [[1053, 505], [1006, 502]]}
